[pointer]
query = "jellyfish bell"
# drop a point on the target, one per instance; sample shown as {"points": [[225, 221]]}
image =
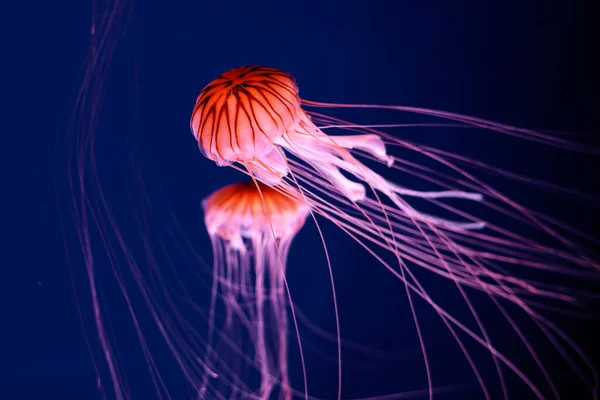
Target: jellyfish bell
{"points": [[242, 113], [252, 210], [251, 227]]}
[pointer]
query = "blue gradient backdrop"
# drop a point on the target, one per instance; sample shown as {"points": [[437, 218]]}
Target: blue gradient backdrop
{"points": [[527, 63]]}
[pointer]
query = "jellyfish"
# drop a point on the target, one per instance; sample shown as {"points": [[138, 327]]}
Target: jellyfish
{"points": [[251, 227], [464, 227]]}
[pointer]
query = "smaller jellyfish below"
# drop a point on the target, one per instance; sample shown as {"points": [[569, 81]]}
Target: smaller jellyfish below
{"points": [[251, 227]]}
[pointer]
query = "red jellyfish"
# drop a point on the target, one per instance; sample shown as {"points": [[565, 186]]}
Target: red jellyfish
{"points": [[251, 228], [473, 233]]}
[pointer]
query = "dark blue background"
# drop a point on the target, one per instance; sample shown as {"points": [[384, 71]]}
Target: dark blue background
{"points": [[526, 63]]}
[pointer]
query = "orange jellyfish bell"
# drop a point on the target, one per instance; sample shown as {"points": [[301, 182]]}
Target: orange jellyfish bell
{"points": [[245, 210], [240, 114]]}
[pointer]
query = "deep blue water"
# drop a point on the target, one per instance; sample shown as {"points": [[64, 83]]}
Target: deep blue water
{"points": [[526, 63]]}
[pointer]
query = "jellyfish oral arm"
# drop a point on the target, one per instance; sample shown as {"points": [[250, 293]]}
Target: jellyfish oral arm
{"points": [[330, 155]]}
